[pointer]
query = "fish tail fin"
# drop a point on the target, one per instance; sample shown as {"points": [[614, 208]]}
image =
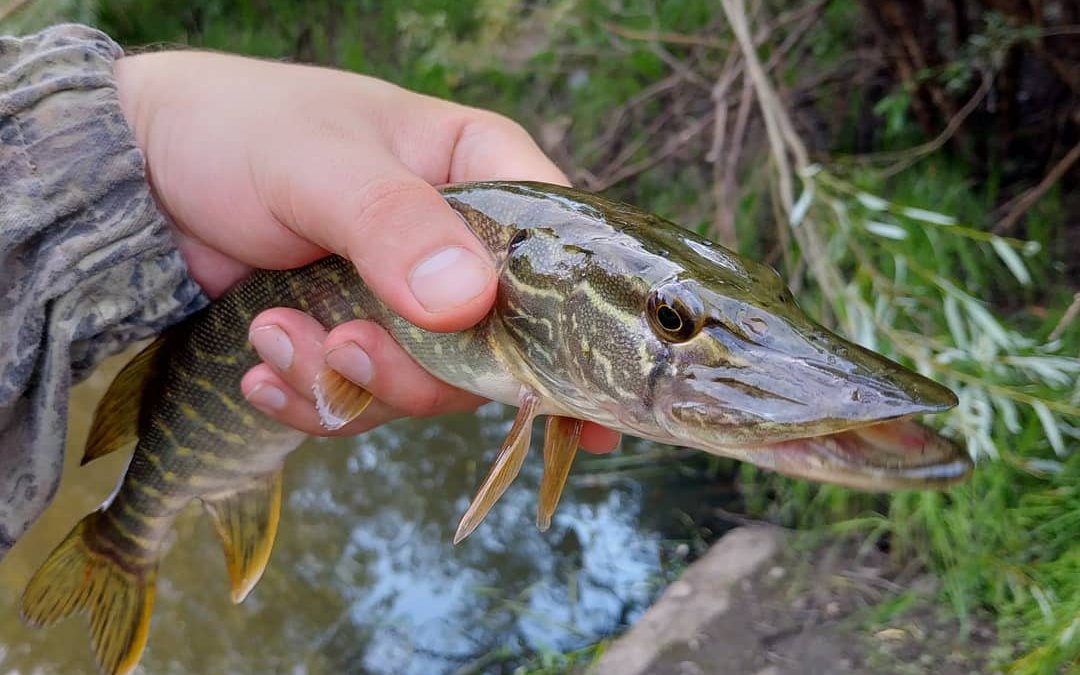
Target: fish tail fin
{"points": [[76, 577]]}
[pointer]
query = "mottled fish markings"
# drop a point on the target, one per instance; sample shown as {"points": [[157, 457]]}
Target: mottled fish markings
{"points": [[605, 313]]}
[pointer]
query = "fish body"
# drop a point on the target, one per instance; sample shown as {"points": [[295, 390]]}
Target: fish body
{"points": [[604, 313]]}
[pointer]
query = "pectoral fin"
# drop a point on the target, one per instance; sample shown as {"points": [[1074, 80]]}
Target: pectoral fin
{"points": [[116, 418], [337, 399], [246, 521], [504, 471], [561, 437]]}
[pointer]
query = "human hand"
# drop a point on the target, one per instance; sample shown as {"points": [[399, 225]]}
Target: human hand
{"points": [[270, 165]]}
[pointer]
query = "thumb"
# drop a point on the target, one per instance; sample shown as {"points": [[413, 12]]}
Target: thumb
{"points": [[408, 245]]}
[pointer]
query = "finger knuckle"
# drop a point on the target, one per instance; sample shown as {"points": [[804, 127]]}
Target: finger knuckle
{"points": [[488, 127], [486, 119], [375, 204], [427, 402]]}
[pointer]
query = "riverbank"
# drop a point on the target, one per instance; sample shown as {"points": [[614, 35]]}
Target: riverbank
{"points": [[767, 602]]}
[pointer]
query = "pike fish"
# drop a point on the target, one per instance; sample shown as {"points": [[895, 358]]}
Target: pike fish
{"points": [[604, 313]]}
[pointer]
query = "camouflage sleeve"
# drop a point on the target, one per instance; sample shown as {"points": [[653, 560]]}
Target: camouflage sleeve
{"points": [[87, 263]]}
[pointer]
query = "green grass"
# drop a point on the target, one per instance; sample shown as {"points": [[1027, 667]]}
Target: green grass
{"points": [[969, 309], [1007, 538]]}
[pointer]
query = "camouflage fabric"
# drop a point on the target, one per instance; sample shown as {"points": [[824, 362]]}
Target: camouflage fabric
{"points": [[87, 263]]}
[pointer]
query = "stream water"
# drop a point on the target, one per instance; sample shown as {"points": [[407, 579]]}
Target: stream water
{"points": [[364, 578]]}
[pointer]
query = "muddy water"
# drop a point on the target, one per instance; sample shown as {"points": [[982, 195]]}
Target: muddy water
{"points": [[364, 578]]}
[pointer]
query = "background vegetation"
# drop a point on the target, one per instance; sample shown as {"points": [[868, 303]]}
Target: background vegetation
{"points": [[910, 165]]}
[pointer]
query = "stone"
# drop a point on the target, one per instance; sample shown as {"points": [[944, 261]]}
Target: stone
{"points": [[688, 605]]}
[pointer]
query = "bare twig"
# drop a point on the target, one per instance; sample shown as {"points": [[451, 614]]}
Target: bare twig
{"points": [[1066, 319], [673, 38], [615, 121], [726, 200], [789, 156], [742, 119], [736, 14], [807, 10], [872, 580], [12, 7], [728, 74], [673, 145], [912, 155], [667, 37], [616, 170], [740, 519], [1059, 30], [683, 70], [630, 149], [792, 39], [1033, 195], [723, 225], [793, 270], [1066, 70]]}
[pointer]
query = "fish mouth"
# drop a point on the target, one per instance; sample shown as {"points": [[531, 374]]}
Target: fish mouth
{"points": [[812, 405], [896, 455]]}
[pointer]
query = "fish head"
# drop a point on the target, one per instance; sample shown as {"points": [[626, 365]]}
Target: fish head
{"points": [[737, 362], [634, 322]]}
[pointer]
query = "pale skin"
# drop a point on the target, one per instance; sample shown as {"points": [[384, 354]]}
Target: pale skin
{"points": [[270, 165]]}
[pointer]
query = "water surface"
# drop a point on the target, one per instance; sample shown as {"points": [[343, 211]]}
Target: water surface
{"points": [[364, 578]]}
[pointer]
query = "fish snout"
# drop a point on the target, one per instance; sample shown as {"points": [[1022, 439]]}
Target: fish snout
{"points": [[817, 384], [870, 387]]}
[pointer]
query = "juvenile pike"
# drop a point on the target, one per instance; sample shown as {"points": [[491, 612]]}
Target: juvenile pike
{"points": [[604, 313]]}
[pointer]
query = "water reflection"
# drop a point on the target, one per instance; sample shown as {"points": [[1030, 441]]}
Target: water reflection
{"points": [[364, 578]]}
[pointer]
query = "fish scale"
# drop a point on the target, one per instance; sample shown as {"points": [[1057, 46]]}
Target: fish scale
{"points": [[605, 313]]}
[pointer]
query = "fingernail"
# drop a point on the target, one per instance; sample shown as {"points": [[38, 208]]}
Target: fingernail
{"points": [[267, 397], [273, 345], [352, 361], [448, 278]]}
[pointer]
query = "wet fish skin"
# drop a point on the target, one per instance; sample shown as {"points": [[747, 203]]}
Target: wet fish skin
{"points": [[604, 313], [196, 438]]}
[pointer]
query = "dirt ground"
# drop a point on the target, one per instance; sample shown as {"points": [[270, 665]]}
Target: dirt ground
{"points": [[830, 608]]}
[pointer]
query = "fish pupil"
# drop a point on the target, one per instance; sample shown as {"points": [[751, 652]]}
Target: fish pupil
{"points": [[519, 237], [669, 318]]}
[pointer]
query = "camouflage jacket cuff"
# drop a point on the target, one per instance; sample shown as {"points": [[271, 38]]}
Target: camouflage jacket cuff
{"points": [[87, 262]]}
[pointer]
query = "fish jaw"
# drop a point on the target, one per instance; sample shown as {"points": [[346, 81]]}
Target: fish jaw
{"points": [[621, 318], [764, 374], [823, 431], [885, 457], [784, 393]]}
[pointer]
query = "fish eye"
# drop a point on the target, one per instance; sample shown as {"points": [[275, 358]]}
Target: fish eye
{"points": [[674, 314], [519, 237]]}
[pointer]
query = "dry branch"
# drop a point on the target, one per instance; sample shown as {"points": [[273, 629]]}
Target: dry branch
{"points": [[724, 221], [1066, 319], [670, 147], [1033, 195], [614, 123], [667, 37], [12, 7]]}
